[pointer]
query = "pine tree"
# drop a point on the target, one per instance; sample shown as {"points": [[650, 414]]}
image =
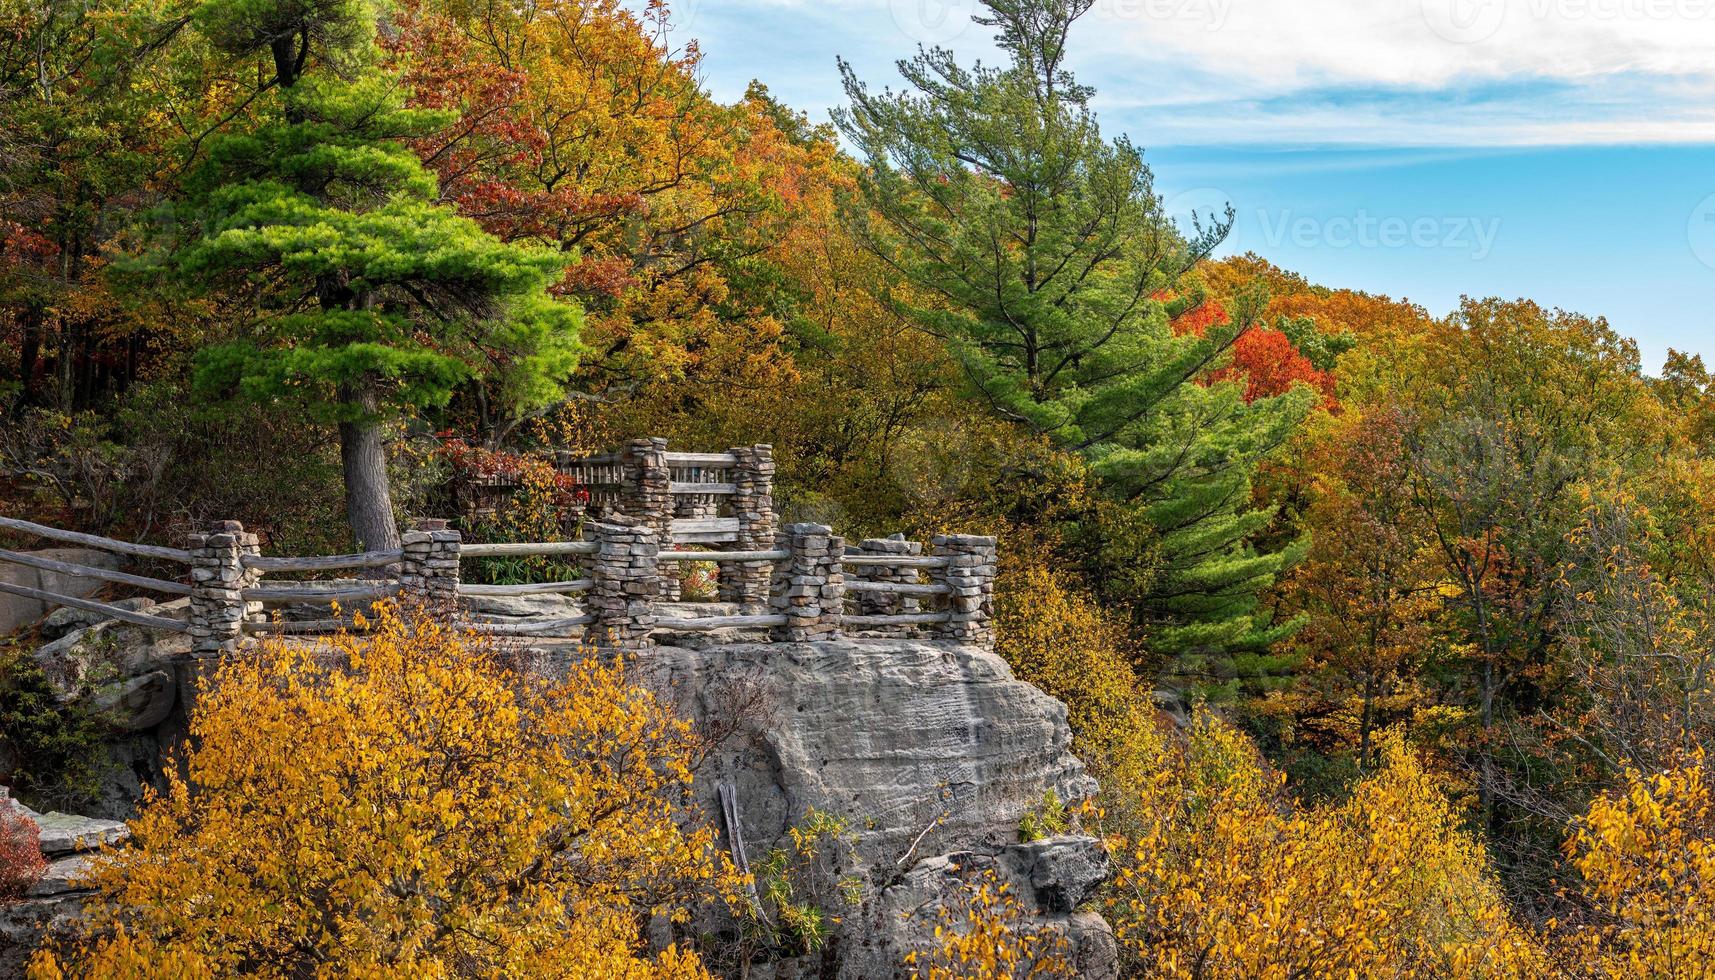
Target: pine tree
{"points": [[1046, 257], [369, 297]]}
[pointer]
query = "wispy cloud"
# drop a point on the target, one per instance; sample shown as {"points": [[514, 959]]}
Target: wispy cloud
{"points": [[1384, 72]]}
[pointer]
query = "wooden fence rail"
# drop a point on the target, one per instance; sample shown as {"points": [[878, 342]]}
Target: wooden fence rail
{"points": [[799, 582]]}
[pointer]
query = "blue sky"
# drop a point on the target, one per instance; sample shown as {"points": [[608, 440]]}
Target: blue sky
{"points": [[1561, 150]]}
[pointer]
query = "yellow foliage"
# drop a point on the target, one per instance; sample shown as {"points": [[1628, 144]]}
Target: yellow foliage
{"points": [[982, 936], [1647, 856], [1057, 637], [1219, 877], [403, 804]]}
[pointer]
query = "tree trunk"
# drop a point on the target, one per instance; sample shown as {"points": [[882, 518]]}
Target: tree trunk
{"points": [[32, 321], [368, 502]]}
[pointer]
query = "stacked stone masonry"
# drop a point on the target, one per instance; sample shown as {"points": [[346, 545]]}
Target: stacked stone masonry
{"points": [[647, 497], [809, 584], [429, 570], [218, 580], [969, 577], [627, 576], [753, 506]]}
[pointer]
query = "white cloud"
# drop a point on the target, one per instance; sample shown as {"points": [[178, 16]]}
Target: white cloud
{"points": [[1407, 72], [1415, 43]]}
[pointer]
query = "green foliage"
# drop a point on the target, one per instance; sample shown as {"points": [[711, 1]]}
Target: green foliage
{"points": [[50, 750], [1040, 255], [1050, 818], [330, 205], [801, 888]]}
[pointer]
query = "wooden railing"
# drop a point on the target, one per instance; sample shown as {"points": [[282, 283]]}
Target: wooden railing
{"points": [[75, 570], [797, 590]]}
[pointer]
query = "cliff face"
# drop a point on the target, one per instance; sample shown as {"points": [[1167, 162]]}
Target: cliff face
{"points": [[931, 752]]}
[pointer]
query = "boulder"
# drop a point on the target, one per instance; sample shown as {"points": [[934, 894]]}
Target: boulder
{"points": [[66, 620], [1042, 877], [18, 611], [67, 833], [61, 878], [919, 742], [137, 703]]}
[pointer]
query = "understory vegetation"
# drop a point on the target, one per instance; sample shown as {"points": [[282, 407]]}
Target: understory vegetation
{"points": [[1389, 636]]}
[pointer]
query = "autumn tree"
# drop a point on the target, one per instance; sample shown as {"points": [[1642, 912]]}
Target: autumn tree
{"points": [[1518, 408], [1219, 878], [1039, 250], [367, 295], [580, 124], [1370, 586], [405, 802]]}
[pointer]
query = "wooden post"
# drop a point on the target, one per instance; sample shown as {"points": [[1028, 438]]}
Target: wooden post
{"points": [[753, 505], [969, 577], [430, 568], [627, 577], [809, 586], [218, 580]]}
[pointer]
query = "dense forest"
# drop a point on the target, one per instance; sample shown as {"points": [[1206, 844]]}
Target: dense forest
{"points": [[1389, 635]]}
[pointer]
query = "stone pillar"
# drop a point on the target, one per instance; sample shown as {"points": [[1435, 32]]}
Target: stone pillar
{"points": [[218, 578], [647, 497], [969, 577], [753, 505], [809, 587], [627, 581], [887, 603], [430, 569]]}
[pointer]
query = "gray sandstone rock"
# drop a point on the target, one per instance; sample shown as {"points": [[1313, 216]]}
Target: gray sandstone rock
{"points": [[19, 611]]}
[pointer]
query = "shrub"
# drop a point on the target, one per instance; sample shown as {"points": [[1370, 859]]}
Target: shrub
{"points": [[1646, 854], [21, 863], [1219, 877], [51, 751], [982, 935], [405, 803]]}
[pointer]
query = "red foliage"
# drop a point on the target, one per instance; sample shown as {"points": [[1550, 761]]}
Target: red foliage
{"points": [[1263, 356], [475, 463], [21, 862], [1270, 364]]}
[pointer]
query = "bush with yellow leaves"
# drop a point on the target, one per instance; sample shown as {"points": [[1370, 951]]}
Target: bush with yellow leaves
{"points": [[1646, 853], [1056, 636], [1220, 877], [403, 803], [981, 934]]}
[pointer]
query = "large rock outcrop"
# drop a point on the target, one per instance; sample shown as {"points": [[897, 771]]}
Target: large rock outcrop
{"points": [[932, 751]]}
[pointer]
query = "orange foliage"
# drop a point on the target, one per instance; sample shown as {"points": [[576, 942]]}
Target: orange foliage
{"points": [[1263, 356]]}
